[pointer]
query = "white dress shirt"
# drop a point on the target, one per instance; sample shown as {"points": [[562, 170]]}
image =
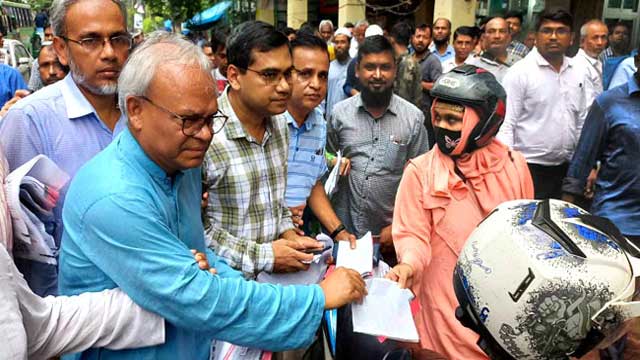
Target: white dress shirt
{"points": [[545, 109], [450, 64], [40, 328], [593, 69]]}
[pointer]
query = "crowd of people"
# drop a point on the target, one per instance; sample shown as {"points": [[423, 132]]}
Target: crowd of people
{"points": [[196, 167]]}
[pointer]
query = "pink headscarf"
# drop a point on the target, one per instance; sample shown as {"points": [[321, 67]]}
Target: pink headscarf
{"points": [[490, 172]]}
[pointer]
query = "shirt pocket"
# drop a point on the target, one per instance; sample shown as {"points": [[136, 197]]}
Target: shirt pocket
{"points": [[576, 99], [396, 153]]}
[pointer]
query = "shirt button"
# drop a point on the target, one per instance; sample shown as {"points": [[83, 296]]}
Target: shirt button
{"points": [[366, 178], [372, 159], [375, 139]]}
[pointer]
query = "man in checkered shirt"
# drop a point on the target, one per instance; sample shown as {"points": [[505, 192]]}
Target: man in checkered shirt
{"points": [[247, 220]]}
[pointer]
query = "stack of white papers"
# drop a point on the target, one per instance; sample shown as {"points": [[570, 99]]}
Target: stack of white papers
{"points": [[331, 185], [359, 259], [385, 311]]}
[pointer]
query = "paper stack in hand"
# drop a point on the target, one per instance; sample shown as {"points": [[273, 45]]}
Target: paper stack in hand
{"points": [[385, 311], [359, 259]]}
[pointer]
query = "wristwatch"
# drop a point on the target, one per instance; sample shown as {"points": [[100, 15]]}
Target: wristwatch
{"points": [[337, 231]]}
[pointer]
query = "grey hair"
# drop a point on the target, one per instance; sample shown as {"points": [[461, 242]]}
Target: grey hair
{"points": [[325, 22], [142, 65], [362, 22], [585, 27], [59, 10]]}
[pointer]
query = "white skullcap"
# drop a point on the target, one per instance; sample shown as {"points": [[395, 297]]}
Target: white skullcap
{"points": [[373, 30], [342, 31]]}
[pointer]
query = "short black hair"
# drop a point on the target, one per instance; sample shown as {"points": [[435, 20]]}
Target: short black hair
{"points": [[310, 42], [424, 26], [288, 31], [619, 23], [464, 31], [514, 14], [348, 24], [207, 44], [306, 29], [555, 14], [218, 40], [485, 21], [374, 45], [252, 36], [476, 31], [401, 33]]}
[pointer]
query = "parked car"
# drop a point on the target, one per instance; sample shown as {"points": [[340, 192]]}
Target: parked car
{"points": [[17, 56]]}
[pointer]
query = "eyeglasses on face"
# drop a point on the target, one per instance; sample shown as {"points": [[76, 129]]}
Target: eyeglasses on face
{"points": [[191, 125], [561, 31], [91, 44]]}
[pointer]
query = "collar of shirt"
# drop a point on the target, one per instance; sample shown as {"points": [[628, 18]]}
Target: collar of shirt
{"points": [[541, 61], [593, 61], [133, 153], [75, 102], [447, 52], [425, 56], [309, 122], [633, 86], [392, 107], [234, 129]]}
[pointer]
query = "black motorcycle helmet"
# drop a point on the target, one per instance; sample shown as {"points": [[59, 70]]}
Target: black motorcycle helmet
{"points": [[475, 87]]}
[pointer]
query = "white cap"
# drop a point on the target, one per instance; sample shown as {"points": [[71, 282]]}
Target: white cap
{"points": [[373, 30], [342, 31]]}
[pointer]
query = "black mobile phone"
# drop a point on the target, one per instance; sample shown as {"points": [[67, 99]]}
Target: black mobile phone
{"points": [[317, 251]]}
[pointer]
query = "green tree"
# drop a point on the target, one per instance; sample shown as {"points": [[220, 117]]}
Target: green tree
{"points": [[39, 4], [177, 10]]}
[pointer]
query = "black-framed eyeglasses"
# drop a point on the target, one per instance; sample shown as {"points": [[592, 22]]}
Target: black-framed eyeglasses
{"points": [[272, 76], [91, 44], [191, 125]]}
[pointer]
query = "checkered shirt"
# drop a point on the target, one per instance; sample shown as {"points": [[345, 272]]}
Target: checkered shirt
{"points": [[246, 181]]}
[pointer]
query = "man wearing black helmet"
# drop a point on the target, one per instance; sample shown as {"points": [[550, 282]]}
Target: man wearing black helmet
{"points": [[445, 193]]}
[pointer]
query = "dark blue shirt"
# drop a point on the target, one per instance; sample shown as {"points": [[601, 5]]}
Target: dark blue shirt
{"points": [[10, 81], [611, 134]]}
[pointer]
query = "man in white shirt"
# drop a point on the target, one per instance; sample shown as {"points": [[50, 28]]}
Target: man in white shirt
{"points": [[546, 104], [593, 40], [495, 58], [463, 43]]}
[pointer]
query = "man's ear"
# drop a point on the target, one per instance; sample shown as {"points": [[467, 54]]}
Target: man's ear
{"points": [[233, 74], [134, 112], [60, 46]]}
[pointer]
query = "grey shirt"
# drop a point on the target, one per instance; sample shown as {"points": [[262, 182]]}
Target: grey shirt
{"points": [[378, 149], [431, 69], [498, 69]]}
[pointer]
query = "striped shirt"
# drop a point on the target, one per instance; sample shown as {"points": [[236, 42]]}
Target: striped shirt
{"points": [[246, 181], [306, 156], [378, 150]]}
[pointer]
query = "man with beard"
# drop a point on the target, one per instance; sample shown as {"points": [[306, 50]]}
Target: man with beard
{"points": [[75, 118], [338, 69], [408, 84], [379, 132], [431, 69], [495, 58], [441, 34], [593, 39], [618, 41]]}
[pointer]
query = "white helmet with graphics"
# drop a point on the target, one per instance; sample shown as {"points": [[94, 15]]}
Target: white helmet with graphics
{"points": [[546, 280]]}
